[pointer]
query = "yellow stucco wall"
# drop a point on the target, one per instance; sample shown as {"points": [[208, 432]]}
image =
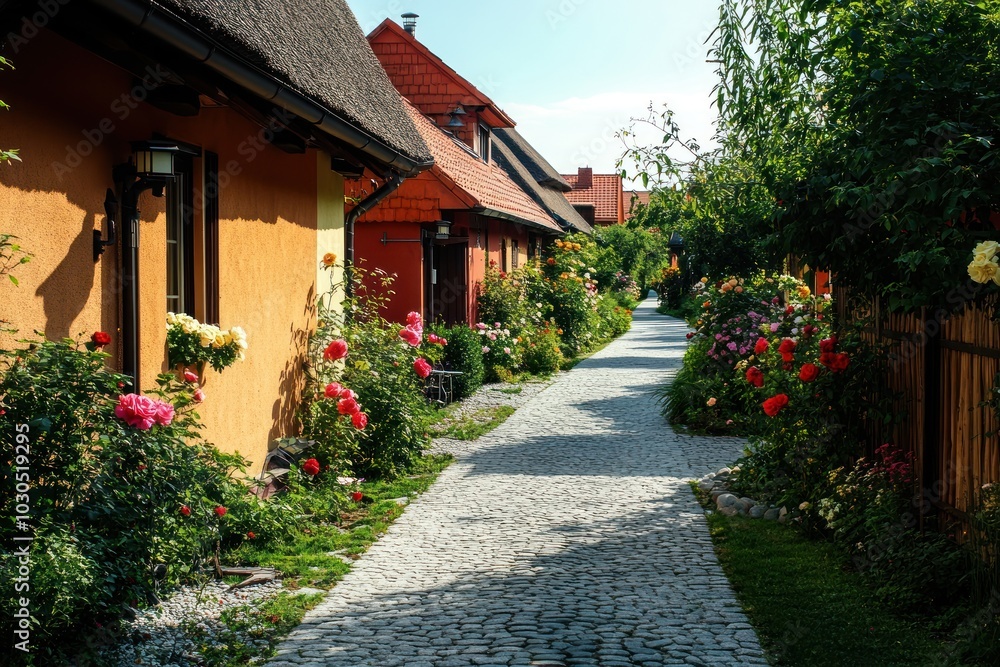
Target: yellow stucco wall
{"points": [[273, 229], [330, 222]]}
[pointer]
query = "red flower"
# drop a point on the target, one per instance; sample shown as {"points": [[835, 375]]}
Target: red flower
{"points": [[199, 396], [787, 348], [761, 346], [789, 310], [422, 368], [550, 261], [840, 363], [690, 335], [410, 335], [828, 345], [141, 467], [185, 510], [360, 420], [808, 372], [100, 339], [190, 376], [503, 275], [348, 406], [775, 404], [311, 467], [755, 376], [333, 390], [251, 535], [357, 496], [220, 511], [335, 350]]}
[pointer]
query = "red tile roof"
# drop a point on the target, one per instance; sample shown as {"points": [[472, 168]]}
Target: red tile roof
{"points": [[606, 195], [483, 185]]}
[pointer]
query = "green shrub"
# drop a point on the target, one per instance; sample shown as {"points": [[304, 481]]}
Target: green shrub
{"points": [[542, 355], [108, 500], [379, 369], [616, 320], [464, 353]]}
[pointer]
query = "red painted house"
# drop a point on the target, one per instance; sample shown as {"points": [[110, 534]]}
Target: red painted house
{"points": [[487, 216]]}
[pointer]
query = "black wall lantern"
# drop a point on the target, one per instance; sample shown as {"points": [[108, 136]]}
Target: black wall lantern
{"points": [[151, 167], [442, 230]]}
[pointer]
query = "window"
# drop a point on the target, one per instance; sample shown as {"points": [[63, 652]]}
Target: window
{"points": [[180, 240], [503, 256], [484, 141], [514, 257], [192, 234]]}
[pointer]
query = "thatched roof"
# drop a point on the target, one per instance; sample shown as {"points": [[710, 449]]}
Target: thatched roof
{"points": [[318, 49], [539, 167]]}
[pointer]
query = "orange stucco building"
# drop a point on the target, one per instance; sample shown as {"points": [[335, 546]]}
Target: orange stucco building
{"points": [[257, 198]]}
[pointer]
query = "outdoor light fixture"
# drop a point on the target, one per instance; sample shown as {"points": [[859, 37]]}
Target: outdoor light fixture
{"points": [[676, 243], [155, 159], [442, 230], [456, 116]]}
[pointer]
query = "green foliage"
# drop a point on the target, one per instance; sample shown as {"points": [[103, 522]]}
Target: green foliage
{"points": [[615, 320], [808, 609], [474, 426], [872, 126], [379, 369], [108, 501], [464, 353], [542, 355]]}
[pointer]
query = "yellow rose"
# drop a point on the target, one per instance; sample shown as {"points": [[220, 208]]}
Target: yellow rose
{"points": [[983, 271], [329, 259], [206, 338], [220, 340], [804, 292], [988, 248]]}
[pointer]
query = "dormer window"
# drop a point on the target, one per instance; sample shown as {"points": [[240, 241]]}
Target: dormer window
{"points": [[484, 141]]}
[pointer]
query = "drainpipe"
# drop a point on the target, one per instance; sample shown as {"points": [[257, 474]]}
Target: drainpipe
{"points": [[365, 205]]}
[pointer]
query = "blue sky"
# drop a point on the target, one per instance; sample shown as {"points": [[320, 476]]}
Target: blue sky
{"points": [[571, 73]]}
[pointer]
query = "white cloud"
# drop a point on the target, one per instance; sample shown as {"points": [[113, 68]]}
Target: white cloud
{"points": [[580, 131]]}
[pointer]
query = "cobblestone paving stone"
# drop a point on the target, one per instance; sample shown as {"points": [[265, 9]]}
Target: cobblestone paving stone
{"points": [[567, 536]]}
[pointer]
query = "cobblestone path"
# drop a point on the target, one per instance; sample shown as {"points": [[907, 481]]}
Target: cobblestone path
{"points": [[568, 536]]}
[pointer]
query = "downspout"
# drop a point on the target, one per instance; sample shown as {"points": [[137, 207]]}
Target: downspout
{"points": [[365, 205]]}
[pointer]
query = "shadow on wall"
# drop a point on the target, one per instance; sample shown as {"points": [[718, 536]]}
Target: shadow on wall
{"points": [[284, 411], [67, 290]]}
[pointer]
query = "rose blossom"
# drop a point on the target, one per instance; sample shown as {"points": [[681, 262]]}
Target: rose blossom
{"points": [[335, 350], [164, 413], [190, 376], [220, 511], [422, 368], [347, 406], [411, 336], [755, 376], [100, 339], [311, 467], [761, 346], [199, 396], [775, 404], [711, 402], [137, 411], [333, 390], [185, 510], [360, 420], [808, 372]]}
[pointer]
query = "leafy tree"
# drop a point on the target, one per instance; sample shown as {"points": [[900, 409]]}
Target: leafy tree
{"points": [[873, 126]]}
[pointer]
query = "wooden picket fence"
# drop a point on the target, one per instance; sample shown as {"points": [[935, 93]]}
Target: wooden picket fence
{"points": [[939, 370]]}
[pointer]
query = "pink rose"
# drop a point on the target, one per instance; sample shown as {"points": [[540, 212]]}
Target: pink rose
{"points": [[415, 322], [333, 390], [164, 413], [190, 376], [360, 420], [335, 350], [347, 393], [410, 335], [422, 368], [348, 406], [199, 396], [137, 411]]}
